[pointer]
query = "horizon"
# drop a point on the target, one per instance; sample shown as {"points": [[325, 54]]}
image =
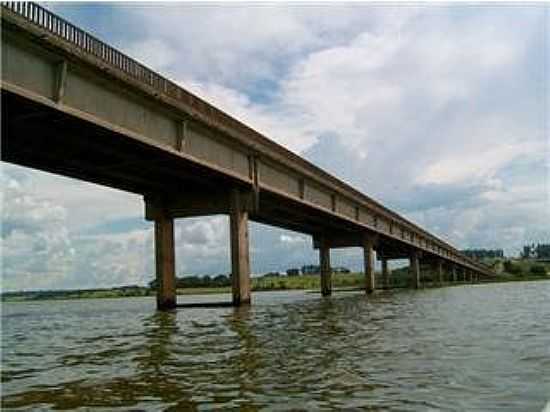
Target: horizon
{"points": [[485, 89]]}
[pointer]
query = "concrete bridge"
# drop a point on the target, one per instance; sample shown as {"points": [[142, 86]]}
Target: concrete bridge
{"points": [[75, 106]]}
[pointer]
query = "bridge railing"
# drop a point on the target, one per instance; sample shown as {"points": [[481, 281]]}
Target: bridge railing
{"points": [[62, 28], [58, 26]]}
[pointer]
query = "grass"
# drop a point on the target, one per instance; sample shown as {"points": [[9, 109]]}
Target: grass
{"points": [[508, 270]]}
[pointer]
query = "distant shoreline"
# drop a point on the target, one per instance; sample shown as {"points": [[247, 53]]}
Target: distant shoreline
{"points": [[352, 281]]}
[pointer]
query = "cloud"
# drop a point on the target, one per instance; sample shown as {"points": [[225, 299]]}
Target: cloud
{"points": [[438, 112], [34, 236]]}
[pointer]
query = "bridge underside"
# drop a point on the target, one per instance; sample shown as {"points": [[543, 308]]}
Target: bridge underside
{"points": [[74, 106], [47, 139], [41, 137]]}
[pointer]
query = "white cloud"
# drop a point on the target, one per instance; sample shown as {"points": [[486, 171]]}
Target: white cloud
{"points": [[436, 111], [292, 239]]}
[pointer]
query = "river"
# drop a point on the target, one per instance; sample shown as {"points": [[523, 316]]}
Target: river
{"points": [[464, 348]]}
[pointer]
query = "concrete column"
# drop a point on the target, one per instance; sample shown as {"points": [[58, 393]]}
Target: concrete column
{"points": [[454, 273], [368, 255], [440, 272], [415, 269], [240, 261], [386, 272], [165, 262], [326, 272]]}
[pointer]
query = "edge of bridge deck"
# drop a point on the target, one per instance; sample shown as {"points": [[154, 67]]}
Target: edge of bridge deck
{"points": [[85, 47]]}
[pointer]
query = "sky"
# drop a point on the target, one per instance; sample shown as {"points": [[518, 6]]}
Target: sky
{"points": [[440, 112]]}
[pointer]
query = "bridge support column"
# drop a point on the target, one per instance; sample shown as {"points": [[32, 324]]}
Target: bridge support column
{"points": [[386, 273], [414, 267], [454, 273], [368, 255], [440, 272], [326, 271], [165, 262], [240, 261]]}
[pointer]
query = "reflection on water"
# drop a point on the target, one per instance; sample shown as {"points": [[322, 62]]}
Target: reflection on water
{"points": [[475, 348]]}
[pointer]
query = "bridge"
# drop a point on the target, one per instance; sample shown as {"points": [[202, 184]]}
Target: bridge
{"points": [[75, 106]]}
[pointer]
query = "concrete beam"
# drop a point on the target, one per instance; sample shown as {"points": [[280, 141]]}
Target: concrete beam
{"points": [[368, 255], [240, 260], [195, 203], [343, 240], [326, 271], [165, 262], [151, 117]]}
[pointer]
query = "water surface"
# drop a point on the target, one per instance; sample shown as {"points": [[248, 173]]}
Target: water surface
{"points": [[466, 348]]}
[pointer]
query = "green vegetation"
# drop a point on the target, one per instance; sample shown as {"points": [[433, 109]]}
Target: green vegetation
{"points": [[313, 282], [519, 269], [119, 292], [506, 269]]}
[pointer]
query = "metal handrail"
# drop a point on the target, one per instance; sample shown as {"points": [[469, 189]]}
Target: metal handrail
{"points": [[38, 15], [45, 19]]}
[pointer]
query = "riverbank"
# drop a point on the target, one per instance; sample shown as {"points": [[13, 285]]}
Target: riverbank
{"points": [[348, 281]]}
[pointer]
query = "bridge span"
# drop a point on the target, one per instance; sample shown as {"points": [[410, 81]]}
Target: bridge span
{"points": [[75, 106]]}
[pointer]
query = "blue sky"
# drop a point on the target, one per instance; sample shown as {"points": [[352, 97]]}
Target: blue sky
{"points": [[440, 112]]}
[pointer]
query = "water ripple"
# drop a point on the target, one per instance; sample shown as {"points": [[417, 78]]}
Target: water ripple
{"points": [[464, 348]]}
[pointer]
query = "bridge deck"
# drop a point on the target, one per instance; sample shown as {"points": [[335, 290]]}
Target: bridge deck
{"points": [[75, 106]]}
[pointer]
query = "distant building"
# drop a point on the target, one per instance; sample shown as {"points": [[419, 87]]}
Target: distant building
{"points": [[293, 272], [543, 251], [538, 251], [483, 253], [528, 252]]}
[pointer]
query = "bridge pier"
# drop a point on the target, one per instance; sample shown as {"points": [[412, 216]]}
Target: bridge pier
{"points": [[414, 267], [454, 273], [368, 256], [240, 259], [440, 272], [153, 141], [386, 273], [326, 272], [165, 262]]}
